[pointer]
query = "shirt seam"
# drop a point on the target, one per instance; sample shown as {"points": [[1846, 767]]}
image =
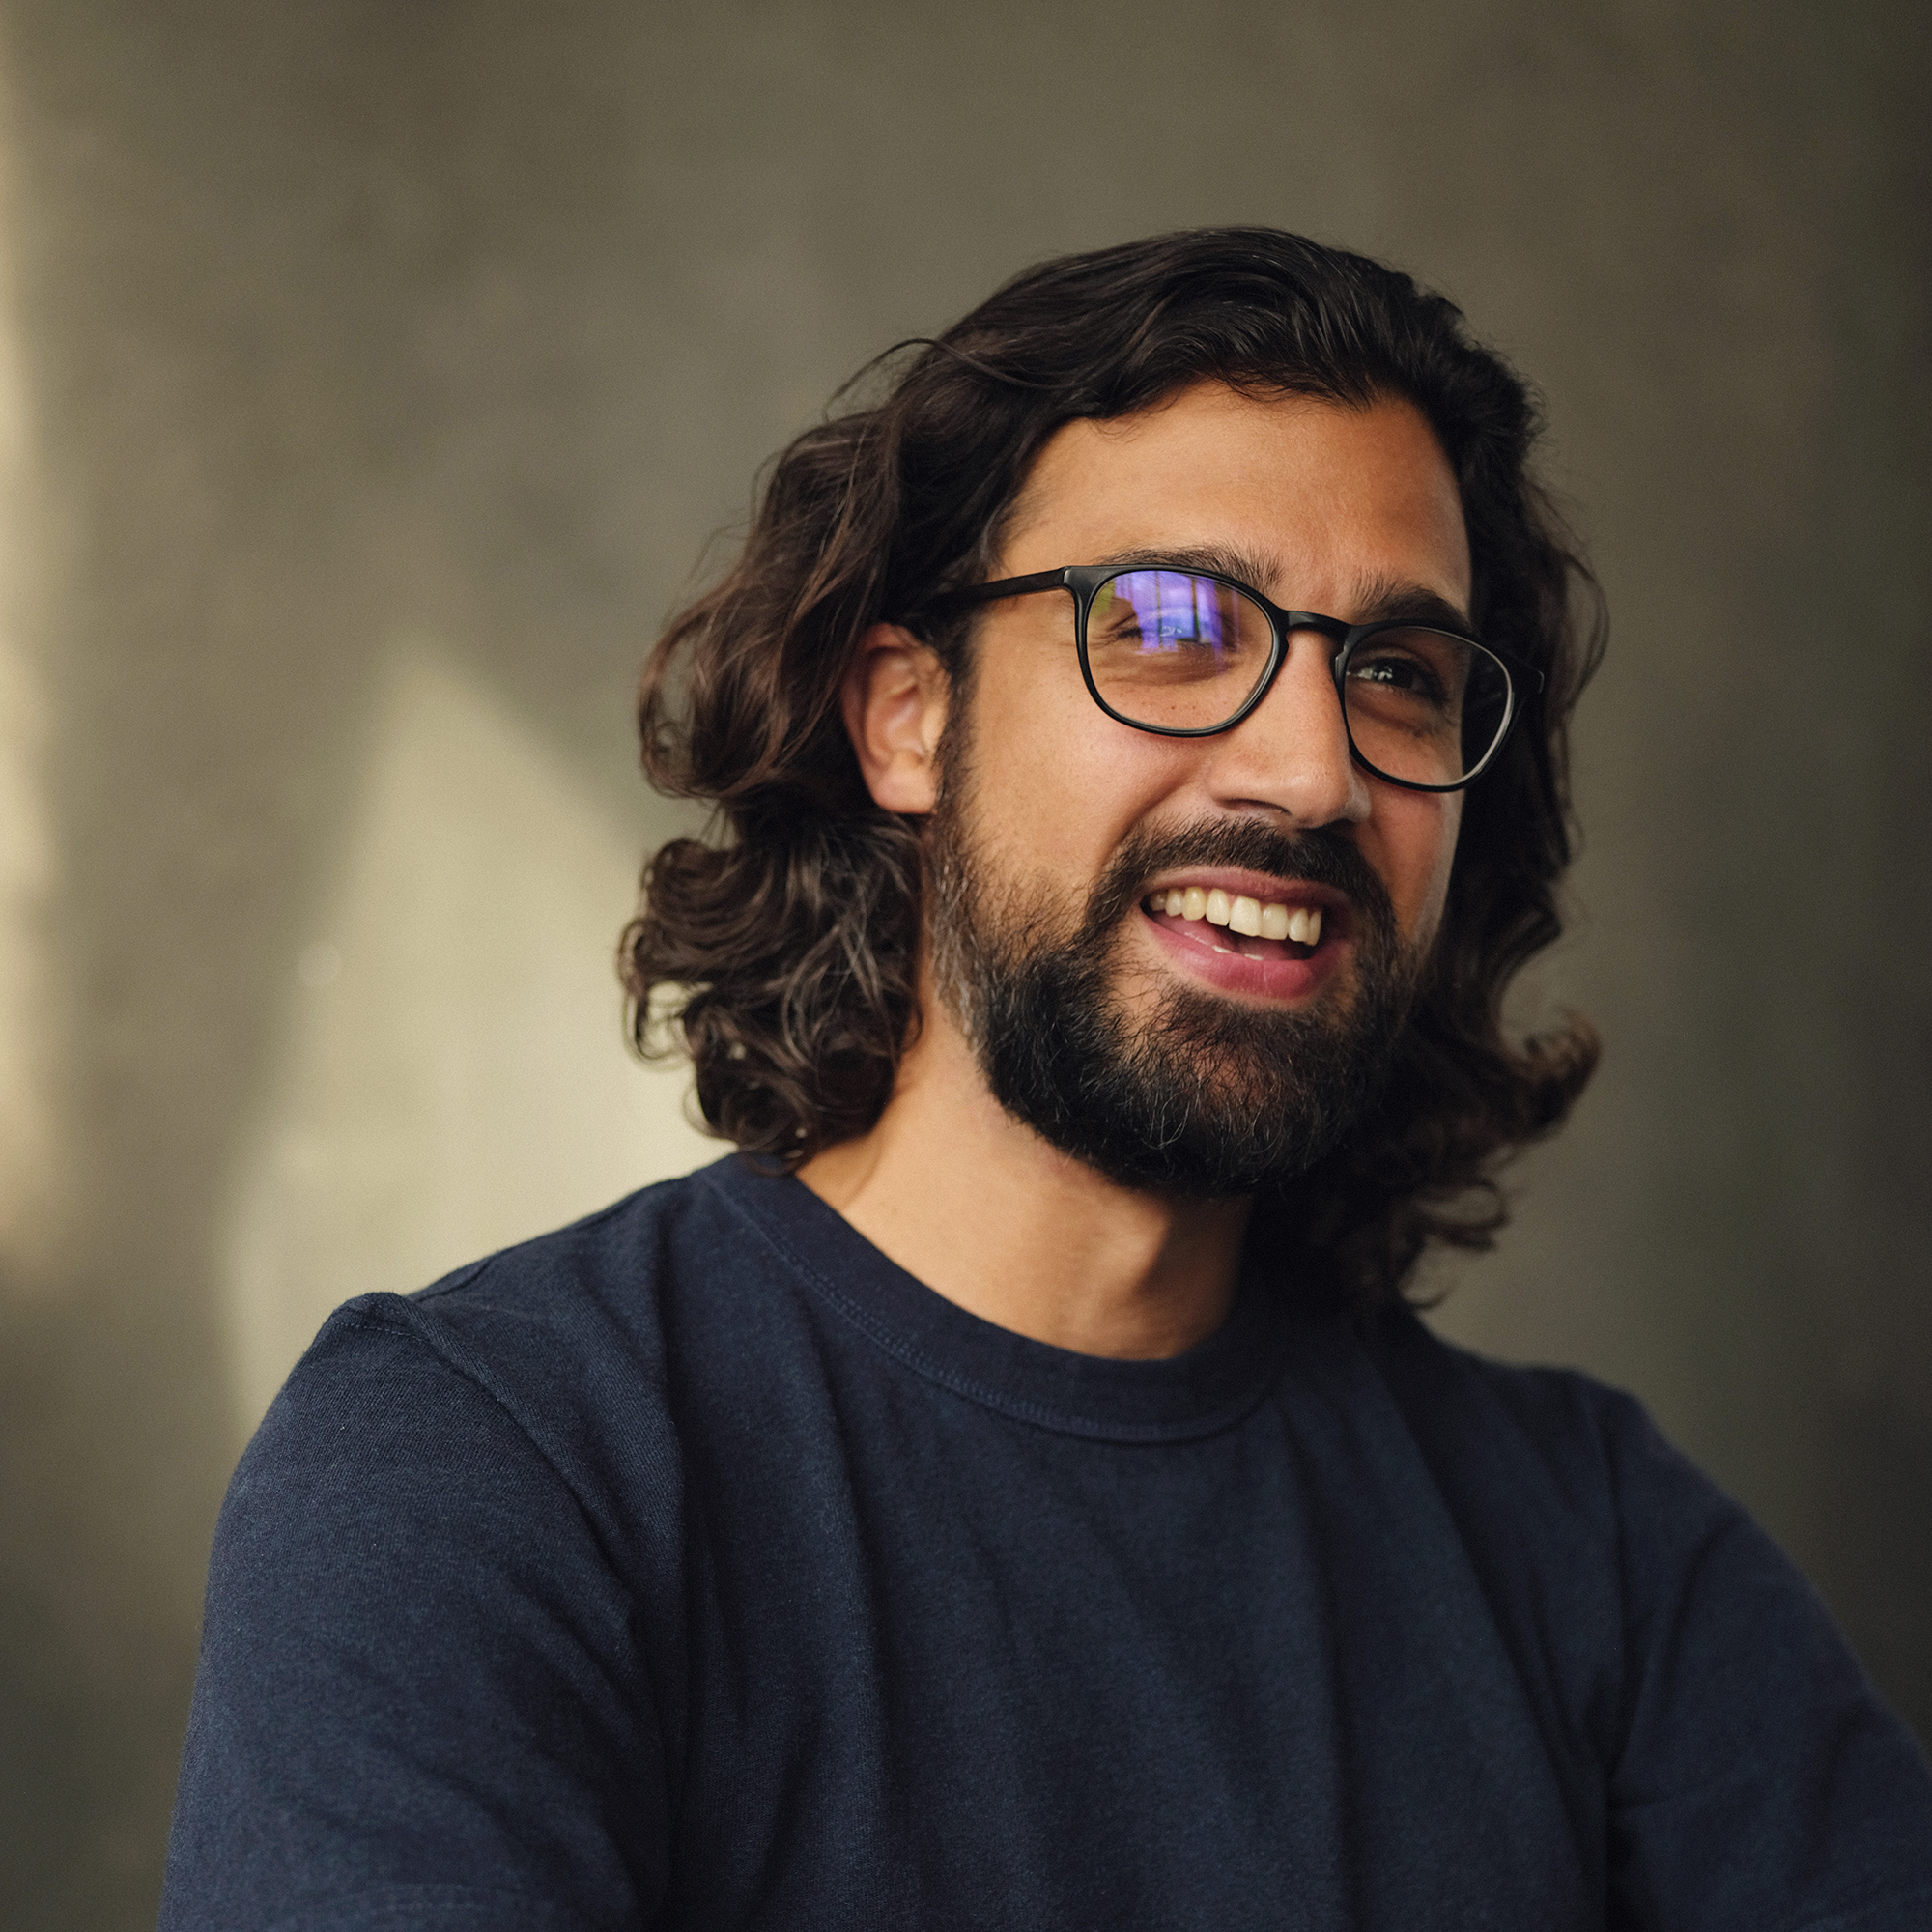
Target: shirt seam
{"points": [[415, 1329], [369, 1317], [463, 1276], [1036, 1414]]}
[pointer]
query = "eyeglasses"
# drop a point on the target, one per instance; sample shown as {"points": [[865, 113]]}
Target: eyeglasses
{"points": [[1189, 653]]}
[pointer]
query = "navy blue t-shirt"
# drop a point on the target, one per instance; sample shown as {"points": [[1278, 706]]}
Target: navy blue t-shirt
{"points": [[697, 1567]]}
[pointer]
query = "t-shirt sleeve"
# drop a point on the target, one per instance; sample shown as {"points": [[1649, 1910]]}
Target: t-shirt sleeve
{"points": [[419, 1703], [1761, 1783]]}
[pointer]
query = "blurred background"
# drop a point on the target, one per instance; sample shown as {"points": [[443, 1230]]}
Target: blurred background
{"points": [[373, 379]]}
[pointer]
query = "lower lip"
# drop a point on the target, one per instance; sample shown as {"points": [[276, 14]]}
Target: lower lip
{"points": [[1280, 980]]}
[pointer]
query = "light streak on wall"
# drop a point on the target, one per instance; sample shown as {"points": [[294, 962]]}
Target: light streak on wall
{"points": [[453, 1076], [28, 1022]]}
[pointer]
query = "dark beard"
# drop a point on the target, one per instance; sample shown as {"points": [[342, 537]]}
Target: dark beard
{"points": [[1199, 1096]]}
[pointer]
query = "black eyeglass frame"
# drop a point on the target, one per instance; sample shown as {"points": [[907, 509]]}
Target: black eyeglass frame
{"points": [[1084, 580]]}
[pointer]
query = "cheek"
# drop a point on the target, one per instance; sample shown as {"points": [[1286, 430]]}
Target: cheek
{"points": [[1057, 784], [1416, 832]]}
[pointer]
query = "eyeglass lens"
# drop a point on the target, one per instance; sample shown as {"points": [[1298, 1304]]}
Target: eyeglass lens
{"points": [[1181, 652]]}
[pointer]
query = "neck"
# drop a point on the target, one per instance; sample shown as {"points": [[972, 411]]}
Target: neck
{"points": [[988, 1214]]}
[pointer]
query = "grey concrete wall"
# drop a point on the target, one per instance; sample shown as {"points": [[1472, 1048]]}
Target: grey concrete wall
{"points": [[371, 378]]}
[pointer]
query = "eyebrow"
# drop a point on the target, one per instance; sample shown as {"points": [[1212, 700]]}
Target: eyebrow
{"points": [[1383, 599], [1224, 561]]}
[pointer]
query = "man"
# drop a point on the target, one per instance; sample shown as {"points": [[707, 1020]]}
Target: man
{"points": [[1012, 1492]]}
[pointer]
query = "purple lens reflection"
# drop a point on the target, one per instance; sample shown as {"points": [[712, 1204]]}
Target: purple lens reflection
{"points": [[1173, 608]]}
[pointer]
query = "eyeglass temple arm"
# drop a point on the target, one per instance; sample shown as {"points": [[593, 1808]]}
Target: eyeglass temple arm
{"points": [[1006, 587]]}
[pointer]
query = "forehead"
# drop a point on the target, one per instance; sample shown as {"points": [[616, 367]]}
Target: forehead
{"points": [[1330, 503]]}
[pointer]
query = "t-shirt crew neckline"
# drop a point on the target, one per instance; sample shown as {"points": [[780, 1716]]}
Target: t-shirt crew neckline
{"points": [[1177, 1399]]}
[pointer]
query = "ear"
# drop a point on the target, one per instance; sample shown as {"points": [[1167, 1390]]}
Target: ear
{"points": [[895, 700]]}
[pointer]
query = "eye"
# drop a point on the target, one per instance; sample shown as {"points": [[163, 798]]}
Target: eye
{"points": [[1423, 706], [1396, 670]]}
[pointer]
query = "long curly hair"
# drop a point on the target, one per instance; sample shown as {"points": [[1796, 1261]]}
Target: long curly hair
{"points": [[780, 951]]}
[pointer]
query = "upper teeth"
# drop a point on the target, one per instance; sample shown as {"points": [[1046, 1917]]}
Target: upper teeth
{"points": [[1250, 916]]}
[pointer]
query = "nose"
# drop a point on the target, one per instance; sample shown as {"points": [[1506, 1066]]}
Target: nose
{"points": [[1290, 754]]}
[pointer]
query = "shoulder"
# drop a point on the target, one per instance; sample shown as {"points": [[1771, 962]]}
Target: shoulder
{"points": [[464, 1518], [1585, 1527], [605, 1265], [552, 1323], [1556, 1433], [1549, 1467], [561, 1353], [516, 1417], [1735, 1714]]}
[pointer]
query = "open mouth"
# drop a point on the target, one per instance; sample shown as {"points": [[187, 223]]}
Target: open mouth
{"points": [[1249, 928]]}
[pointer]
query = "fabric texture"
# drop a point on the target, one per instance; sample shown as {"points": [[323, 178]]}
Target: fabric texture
{"points": [[697, 1567]]}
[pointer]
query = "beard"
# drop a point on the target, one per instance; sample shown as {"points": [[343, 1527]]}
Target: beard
{"points": [[1190, 1093]]}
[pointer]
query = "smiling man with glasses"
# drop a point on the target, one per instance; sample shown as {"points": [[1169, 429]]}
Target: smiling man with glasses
{"points": [[1012, 1491]]}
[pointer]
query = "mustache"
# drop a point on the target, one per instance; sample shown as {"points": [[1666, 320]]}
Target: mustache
{"points": [[1322, 857]]}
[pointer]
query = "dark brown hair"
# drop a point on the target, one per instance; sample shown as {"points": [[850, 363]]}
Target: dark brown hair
{"points": [[781, 953]]}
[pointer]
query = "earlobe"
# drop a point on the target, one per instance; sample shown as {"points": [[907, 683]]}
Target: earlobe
{"points": [[895, 702]]}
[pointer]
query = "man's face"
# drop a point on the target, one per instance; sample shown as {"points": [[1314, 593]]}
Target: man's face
{"points": [[1173, 1052]]}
